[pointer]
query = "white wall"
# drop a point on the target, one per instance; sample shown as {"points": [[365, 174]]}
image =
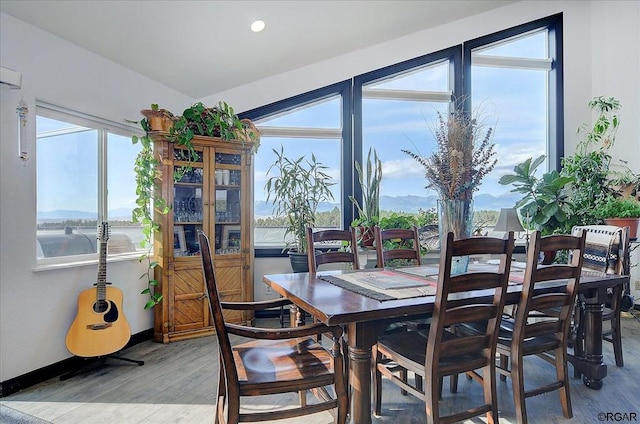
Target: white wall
{"points": [[36, 308]]}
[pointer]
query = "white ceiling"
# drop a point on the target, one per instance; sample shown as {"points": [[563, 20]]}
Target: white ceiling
{"points": [[201, 48]]}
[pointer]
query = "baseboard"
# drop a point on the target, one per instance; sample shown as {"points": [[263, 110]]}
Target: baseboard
{"points": [[32, 378]]}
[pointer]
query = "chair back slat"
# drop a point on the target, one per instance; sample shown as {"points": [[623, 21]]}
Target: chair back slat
{"points": [[474, 281], [469, 313], [347, 254], [549, 301], [406, 240], [463, 345]]}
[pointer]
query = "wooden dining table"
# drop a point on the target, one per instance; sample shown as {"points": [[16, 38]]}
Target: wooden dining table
{"points": [[364, 319]]}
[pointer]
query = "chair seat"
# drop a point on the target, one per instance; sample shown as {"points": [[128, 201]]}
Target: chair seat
{"points": [[409, 348], [530, 346], [282, 361]]}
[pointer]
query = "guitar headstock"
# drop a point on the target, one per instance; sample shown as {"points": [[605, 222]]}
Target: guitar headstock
{"points": [[103, 232]]}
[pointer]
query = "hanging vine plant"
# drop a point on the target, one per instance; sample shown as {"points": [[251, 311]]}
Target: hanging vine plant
{"points": [[218, 121]]}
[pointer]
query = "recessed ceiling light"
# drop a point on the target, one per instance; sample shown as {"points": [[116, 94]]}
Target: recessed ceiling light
{"points": [[257, 26]]}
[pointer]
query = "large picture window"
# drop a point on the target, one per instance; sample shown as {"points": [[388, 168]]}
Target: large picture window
{"points": [[513, 78], [84, 177]]}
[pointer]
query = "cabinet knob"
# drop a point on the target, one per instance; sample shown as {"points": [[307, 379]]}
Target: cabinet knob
{"points": [[204, 296]]}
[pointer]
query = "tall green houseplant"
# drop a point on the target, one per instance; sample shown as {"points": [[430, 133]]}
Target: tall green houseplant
{"points": [[296, 187], [369, 211], [545, 202], [590, 165]]}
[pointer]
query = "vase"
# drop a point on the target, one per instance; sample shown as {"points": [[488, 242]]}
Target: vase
{"points": [[455, 216]]}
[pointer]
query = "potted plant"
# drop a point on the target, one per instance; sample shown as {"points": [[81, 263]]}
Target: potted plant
{"points": [[464, 155], [621, 212], [369, 212], [545, 203], [296, 187], [218, 121], [590, 165]]}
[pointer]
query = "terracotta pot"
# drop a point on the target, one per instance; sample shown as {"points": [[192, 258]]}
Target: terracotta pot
{"points": [[632, 223], [366, 236]]}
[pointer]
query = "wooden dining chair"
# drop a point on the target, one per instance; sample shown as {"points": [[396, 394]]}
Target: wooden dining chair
{"points": [[404, 250], [466, 297], [272, 361], [606, 252], [347, 253], [545, 288]]}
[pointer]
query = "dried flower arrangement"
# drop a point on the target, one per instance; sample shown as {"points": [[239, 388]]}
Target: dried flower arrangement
{"points": [[464, 156]]}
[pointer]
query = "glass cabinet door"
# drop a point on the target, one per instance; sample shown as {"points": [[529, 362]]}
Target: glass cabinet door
{"points": [[228, 199], [187, 204]]}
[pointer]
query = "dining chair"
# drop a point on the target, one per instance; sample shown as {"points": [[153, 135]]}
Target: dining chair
{"points": [[347, 253], [546, 337], [397, 246], [272, 361], [461, 298], [606, 252]]}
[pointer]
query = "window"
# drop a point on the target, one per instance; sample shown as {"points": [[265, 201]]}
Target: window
{"points": [[514, 77], [312, 123], [73, 183], [397, 104]]}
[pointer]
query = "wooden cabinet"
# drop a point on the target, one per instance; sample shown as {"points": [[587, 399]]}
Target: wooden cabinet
{"points": [[214, 196]]}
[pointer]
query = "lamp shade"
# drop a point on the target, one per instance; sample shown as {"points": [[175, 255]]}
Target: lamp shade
{"points": [[508, 221]]}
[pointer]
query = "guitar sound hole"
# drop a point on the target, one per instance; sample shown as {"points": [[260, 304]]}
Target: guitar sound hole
{"points": [[108, 308], [101, 306]]}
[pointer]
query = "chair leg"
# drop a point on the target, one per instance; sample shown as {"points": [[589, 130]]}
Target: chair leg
{"points": [[562, 374], [377, 383], [504, 364], [490, 392], [404, 376], [517, 380], [578, 342], [453, 383], [432, 398], [616, 338]]}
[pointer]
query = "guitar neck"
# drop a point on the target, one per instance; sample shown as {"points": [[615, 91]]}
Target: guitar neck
{"points": [[101, 284]]}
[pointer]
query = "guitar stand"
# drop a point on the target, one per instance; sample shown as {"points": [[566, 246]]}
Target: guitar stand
{"points": [[95, 363]]}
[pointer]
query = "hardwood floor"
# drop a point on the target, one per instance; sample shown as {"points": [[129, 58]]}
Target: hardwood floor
{"points": [[177, 384]]}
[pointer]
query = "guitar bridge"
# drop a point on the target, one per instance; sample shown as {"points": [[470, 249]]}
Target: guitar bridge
{"points": [[100, 326]]}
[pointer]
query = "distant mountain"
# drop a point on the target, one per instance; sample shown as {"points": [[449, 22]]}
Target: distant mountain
{"points": [[261, 209], [412, 203]]}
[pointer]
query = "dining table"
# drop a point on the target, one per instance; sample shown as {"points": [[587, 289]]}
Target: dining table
{"points": [[337, 298]]}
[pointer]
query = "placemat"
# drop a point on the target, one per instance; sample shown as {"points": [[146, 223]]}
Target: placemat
{"points": [[383, 285]]}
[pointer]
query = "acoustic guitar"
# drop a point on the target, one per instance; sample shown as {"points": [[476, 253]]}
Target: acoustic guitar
{"points": [[100, 328]]}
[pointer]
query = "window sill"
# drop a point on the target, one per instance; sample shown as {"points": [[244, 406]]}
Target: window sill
{"points": [[50, 264]]}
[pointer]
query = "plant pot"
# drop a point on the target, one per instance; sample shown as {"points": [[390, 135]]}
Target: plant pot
{"points": [[299, 261], [366, 236], [632, 223], [250, 132], [159, 120]]}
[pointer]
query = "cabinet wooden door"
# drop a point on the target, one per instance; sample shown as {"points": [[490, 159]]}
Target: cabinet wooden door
{"points": [[209, 194]]}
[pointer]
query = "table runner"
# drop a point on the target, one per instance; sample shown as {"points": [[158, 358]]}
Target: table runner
{"points": [[383, 285], [403, 283]]}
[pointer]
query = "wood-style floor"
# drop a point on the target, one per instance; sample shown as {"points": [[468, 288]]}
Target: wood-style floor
{"points": [[177, 384]]}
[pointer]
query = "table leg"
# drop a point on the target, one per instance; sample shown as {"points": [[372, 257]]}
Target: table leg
{"points": [[361, 337], [590, 363], [597, 369]]}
